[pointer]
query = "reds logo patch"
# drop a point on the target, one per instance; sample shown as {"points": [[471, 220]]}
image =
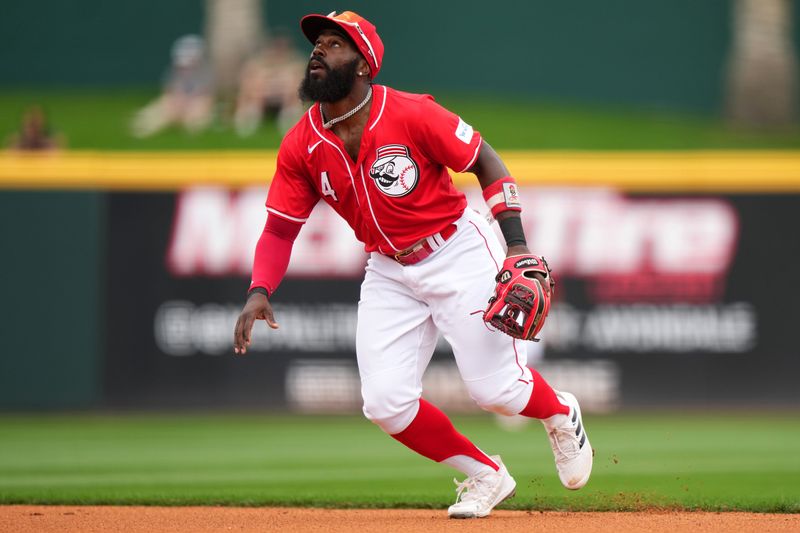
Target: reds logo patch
{"points": [[394, 172], [511, 195]]}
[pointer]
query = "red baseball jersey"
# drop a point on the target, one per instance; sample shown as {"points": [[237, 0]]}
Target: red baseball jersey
{"points": [[399, 191]]}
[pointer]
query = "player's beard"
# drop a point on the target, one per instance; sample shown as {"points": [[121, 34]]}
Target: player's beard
{"points": [[334, 86]]}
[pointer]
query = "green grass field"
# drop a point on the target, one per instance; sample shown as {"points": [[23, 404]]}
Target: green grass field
{"points": [[709, 462], [99, 119]]}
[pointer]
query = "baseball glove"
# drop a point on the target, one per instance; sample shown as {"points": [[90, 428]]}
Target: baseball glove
{"points": [[521, 302]]}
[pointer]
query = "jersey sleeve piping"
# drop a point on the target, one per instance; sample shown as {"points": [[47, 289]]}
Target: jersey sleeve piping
{"points": [[285, 216], [474, 156]]}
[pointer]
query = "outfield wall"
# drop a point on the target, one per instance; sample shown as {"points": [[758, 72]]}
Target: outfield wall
{"points": [[52, 265], [671, 291]]}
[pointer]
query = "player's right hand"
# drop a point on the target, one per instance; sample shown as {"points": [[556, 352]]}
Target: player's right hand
{"points": [[256, 308]]}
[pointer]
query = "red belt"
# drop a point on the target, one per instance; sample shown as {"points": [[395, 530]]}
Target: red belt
{"points": [[419, 251]]}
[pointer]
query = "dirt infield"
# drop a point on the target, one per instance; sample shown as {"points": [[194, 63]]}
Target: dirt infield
{"points": [[29, 518]]}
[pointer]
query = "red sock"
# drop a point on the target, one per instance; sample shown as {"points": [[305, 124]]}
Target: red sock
{"points": [[544, 402], [431, 434]]}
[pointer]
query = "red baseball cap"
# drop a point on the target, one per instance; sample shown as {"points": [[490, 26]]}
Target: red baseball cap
{"points": [[360, 30]]}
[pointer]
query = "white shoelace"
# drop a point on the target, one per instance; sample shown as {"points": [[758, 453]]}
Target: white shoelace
{"points": [[473, 488], [559, 436]]}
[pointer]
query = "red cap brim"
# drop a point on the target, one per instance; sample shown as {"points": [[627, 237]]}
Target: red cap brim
{"points": [[312, 26]]}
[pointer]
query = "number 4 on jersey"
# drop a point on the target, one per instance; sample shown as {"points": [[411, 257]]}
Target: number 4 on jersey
{"points": [[327, 190]]}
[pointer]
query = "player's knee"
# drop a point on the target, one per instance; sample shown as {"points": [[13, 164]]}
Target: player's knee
{"points": [[508, 400], [495, 406], [387, 408]]}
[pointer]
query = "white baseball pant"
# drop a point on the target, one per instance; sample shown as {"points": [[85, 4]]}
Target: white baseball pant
{"points": [[402, 307]]}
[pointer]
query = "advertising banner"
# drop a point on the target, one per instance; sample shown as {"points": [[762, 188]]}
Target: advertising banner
{"points": [[661, 300]]}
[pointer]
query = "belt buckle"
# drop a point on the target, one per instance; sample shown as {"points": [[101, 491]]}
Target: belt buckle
{"points": [[403, 253], [408, 251]]}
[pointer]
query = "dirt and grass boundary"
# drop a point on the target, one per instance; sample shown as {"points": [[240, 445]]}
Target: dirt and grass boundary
{"points": [[38, 518]]}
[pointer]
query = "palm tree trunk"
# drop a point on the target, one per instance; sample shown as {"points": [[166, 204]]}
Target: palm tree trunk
{"points": [[762, 81], [234, 31]]}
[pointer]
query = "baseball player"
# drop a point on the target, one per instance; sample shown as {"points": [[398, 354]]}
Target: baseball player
{"points": [[379, 157]]}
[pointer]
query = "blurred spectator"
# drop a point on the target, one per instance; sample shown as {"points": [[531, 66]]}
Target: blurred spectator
{"points": [[35, 133], [187, 99], [268, 87]]}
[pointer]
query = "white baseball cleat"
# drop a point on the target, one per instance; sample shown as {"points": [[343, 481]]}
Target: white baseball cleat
{"points": [[478, 495], [571, 447]]}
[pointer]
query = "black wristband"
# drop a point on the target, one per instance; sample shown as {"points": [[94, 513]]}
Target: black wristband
{"points": [[260, 290], [512, 231]]}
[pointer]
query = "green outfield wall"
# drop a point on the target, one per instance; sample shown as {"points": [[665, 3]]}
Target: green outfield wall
{"points": [[51, 282], [649, 52]]}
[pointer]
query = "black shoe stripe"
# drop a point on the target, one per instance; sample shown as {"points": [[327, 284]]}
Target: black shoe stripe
{"points": [[574, 415], [578, 429], [583, 439]]}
